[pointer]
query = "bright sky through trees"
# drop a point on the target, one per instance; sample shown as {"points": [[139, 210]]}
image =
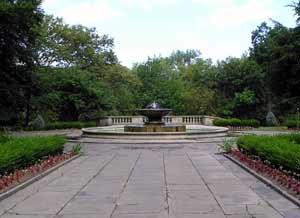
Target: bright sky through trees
{"points": [[142, 28]]}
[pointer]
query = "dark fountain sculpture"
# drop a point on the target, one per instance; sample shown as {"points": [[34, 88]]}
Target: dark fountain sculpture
{"points": [[154, 114]]}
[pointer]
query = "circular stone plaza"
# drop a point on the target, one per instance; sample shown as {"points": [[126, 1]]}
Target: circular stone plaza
{"points": [[148, 175]]}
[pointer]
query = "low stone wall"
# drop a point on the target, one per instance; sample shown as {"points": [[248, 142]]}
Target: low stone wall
{"points": [[185, 119]]}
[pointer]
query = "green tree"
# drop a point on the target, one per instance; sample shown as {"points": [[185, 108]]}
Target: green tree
{"points": [[276, 49], [201, 73], [199, 96], [239, 83], [19, 27], [296, 6], [198, 101], [63, 45], [159, 82], [72, 93], [180, 59], [123, 85]]}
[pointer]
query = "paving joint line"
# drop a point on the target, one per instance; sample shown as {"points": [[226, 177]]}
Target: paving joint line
{"points": [[167, 191], [34, 192], [248, 212], [233, 173], [249, 186], [207, 186], [125, 185], [267, 182], [85, 185]]}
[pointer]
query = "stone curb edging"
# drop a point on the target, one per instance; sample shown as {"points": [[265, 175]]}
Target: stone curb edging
{"points": [[149, 142], [23, 185], [265, 180]]}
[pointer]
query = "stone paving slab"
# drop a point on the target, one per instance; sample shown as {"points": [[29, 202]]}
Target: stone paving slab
{"points": [[274, 199], [188, 181], [24, 194]]}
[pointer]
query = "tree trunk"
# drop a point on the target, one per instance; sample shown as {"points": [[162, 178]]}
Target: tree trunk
{"points": [[28, 108]]}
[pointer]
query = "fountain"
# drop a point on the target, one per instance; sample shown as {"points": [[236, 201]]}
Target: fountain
{"points": [[154, 129], [154, 114]]}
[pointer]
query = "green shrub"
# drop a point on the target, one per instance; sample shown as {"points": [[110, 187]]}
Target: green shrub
{"points": [[227, 122], [69, 125], [280, 151], [250, 123], [294, 138], [4, 138], [220, 122], [227, 145], [292, 123], [38, 123], [18, 153], [234, 122]]}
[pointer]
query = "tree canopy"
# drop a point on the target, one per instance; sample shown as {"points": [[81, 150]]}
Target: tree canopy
{"points": [[19, 26], [63, 45], [71, 72]]}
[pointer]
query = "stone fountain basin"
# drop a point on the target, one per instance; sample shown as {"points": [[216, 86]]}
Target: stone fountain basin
{"points": [[192, 132], [155, 128], [154, 114]]}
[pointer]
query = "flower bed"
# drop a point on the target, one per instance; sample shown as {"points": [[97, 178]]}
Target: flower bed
{"points": [[24, 158], [282, 151], [18, 153], [289, 181], [274, 157], [22, 175]]}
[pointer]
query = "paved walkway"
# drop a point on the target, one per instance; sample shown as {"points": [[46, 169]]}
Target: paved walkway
{"points": [[141, 181]]}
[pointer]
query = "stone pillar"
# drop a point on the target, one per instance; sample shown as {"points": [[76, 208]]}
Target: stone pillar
{"points": [[105, 121], [137, 120], [208, 120]]}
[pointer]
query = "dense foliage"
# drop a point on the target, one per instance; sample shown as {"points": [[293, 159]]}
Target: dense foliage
{"points": [[71, 73], [69, 125], [292, 124], [281, 151], [234, 122], [17, 153], [19, 24], [4, 138]]}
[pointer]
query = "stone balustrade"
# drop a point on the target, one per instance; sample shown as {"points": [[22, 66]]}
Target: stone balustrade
{"points": [[186, 119]]}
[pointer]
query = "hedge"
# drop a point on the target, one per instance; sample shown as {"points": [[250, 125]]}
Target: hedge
{"points": [[234, 122], [279, 151], [4, 138], [292, 123], [69, 125], [18, 153]]}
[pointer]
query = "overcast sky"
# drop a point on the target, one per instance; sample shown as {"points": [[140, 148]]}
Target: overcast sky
{"points": [[144, 28]]}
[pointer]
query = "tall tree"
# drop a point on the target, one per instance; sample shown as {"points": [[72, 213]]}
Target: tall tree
{"points": [[199, 96], [179, 59], [276, 49], [66, 45], [296, 6], [240, 87], [159, 82], [70, 93], [19, 23]]}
